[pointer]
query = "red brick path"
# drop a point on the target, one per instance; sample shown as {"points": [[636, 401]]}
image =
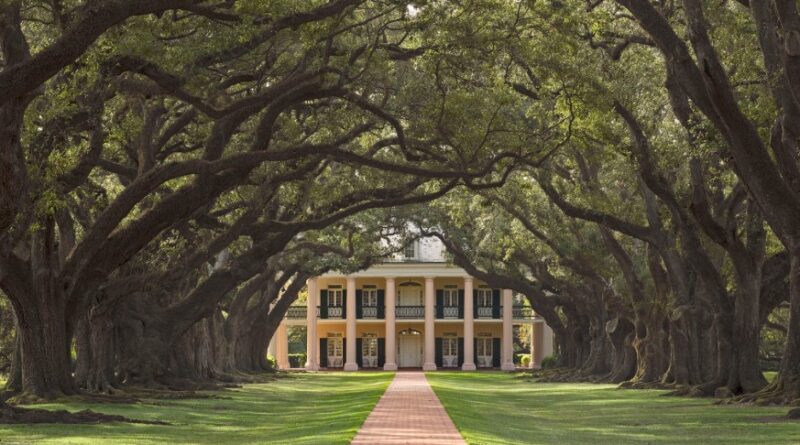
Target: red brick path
{"points": [[408, 413]]}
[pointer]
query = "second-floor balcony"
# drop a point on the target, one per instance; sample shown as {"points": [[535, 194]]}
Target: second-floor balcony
{"points": [[371, 312], [334, 312], [409, 312], [450, 312], [485, 312]]}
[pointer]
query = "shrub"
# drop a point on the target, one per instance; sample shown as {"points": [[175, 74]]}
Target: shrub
{"points": [[525, 360], [272, 362], [297, 360], [549, 361]]}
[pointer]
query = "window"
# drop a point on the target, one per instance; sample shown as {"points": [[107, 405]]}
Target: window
{"points": [[335, 351], [484, 297], [449, 347], [450, 297], [450, 351], [369, 297], [335, 297], [369, 351], [410, 251], [334, 347], [484, 352]]}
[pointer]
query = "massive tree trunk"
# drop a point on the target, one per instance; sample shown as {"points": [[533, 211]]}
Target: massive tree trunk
{"points": [[41, 322], [14, 382], [745, 373], [599, 353], [652, 347], [621, 336], [45, 349], [95, 336], [786, 386]]}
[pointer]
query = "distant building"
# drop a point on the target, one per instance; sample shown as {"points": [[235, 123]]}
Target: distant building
{"points": [[411, 312]]}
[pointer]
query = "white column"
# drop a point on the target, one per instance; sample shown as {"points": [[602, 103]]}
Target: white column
{"points": [[391, 327], [282, 347], [508, 332], [272, 350], [538, 344], [532, 363], [312, 363], [430, 337], [547, 340], [350, 335], [469, 327]]}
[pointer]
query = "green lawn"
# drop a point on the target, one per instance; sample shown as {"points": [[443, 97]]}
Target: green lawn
{"points": [[501, 408], [295, 409]]}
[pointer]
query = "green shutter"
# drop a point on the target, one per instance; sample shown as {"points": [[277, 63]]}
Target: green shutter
{"points": [[323, 304], [381, 303], [461, 303], [359, 303], [381, 352]]}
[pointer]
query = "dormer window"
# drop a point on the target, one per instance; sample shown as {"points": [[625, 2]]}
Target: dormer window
{"points": [[410, 251]]}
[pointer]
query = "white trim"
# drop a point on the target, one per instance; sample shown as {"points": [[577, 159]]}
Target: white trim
{"points": [[401, 270]]}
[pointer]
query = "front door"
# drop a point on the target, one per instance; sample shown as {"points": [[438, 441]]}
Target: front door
{"points": [[335, 352], [369, 352], [484, 352], [450, 352], [410, 351]]}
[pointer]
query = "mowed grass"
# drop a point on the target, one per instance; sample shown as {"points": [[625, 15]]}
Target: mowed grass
{"points": [[502, 408], [296, 408]]}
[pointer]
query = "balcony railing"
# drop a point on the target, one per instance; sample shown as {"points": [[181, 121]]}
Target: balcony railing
{"points": [[485, 311], [369, 312], [296, 312], [406, 312], [522, 312], [335, 311], [450, 312]]}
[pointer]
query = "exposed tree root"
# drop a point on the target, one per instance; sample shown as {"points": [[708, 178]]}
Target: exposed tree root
{"points": [[566, 375], [645, 385], [775, 393], [689, 391]]}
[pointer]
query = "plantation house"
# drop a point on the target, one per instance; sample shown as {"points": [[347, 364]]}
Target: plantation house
{"points": [[410, 312]]}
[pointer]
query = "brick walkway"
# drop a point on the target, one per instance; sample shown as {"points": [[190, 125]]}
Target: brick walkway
{"points": [[409, 413]]}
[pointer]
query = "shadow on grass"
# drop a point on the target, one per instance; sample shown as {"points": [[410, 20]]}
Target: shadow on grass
{"points": [[296, 408], [499, 408]]}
